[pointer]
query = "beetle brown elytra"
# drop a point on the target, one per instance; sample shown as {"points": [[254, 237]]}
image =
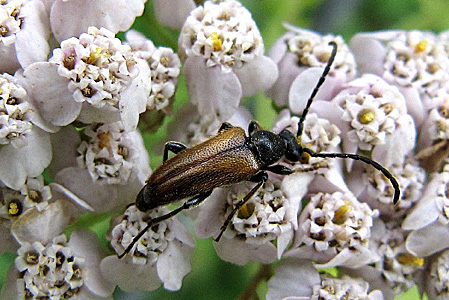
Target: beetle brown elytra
{"points": [[228, 158]]}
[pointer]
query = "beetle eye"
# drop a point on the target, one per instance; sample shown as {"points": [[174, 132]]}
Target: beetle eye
{"points": [[305, 158]]}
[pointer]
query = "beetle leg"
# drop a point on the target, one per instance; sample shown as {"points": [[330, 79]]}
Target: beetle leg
{"points": [[253, 127], [174, 147], [225, 126], [260, 178], [188, 204], [279, 169]]}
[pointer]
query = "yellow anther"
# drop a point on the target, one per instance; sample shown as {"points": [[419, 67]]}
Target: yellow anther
{"points": [[93, 56], [13, 209], [421, 46], [340, 214], [410, 260], [366, 116], [216, 41], [104, 140]]}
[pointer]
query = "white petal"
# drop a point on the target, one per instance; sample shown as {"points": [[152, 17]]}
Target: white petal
{"points": [[257, 75], [100, 13], [87, 245], [32, 45], [429, 240], [240, 253], [173, 13], [43, 226], [129, 276], [50, 94], [100, 197], [30, 160], [293, 277], [369, 53], [212, 91], [174, 264]]}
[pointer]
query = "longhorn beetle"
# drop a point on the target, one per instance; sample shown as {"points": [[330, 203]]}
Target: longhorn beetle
{"points": [[227, 158]]}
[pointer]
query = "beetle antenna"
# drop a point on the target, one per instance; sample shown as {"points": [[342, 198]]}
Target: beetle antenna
{"points": [[366, 160], [317, 87]]}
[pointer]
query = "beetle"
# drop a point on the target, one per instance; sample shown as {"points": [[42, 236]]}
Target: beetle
{"points": [[227, 158]]}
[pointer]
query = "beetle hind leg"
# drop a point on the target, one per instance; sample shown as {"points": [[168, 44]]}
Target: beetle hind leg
{"points": [[260, 178]]}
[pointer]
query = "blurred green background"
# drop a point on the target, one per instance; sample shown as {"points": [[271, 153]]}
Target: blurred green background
{"points": [[210, 277]]}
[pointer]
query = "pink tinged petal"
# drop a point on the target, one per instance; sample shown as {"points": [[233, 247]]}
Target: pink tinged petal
{"points": [[398, 144], [90, 114], [50, 94], [133, 99], [429, 240], [302, 88], [86, 244], [369, 54], [293, 277], [100, 13], [415, 106], [212, 91], [29, 161], [279, 48], [207, 223], [351, 258], [424, 213], [9, 62], [43, 226], [240, 253], [130, 276], [295, 186], [32, 45], [288, 71], [283, 241], [101, 197], [173, 264], [173, 13], [257, 75]]}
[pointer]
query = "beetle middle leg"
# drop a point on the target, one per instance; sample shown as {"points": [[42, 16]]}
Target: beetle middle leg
{"points": [[260, 178], [174, 147], [186, 205]]}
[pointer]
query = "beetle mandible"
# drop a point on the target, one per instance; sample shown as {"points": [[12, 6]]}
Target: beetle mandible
{"points": [[231, 157]]}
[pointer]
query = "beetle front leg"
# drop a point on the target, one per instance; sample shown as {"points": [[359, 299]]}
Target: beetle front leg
{"points": [[174, 147], [260, 178], [279, 169]]}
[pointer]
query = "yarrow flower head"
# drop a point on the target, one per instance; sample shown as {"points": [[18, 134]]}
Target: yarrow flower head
{"points": [[60, 269], [415, 61], [100, 80], [397, 270], [333, 229], [222, 33], [298, 279], [111, 164], [301, 56], [165, 68], [373, 117], [268, 217], [372, 187], [222, 50], [160, 256]]}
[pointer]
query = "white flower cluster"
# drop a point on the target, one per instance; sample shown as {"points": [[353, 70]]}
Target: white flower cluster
{"points": [[223, 33]]}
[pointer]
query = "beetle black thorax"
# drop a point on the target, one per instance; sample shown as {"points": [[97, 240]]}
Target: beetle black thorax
{"points": [[267, 146]]}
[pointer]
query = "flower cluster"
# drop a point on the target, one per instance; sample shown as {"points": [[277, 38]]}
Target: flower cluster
{"points": [[73, 95]]}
